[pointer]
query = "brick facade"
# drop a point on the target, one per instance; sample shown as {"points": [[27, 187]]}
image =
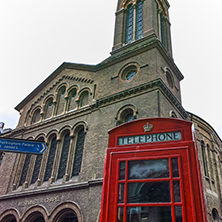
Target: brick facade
{"points": [[94, 98]]}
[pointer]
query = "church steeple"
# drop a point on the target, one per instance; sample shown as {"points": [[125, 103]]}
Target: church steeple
{"points": [[137, 19]]}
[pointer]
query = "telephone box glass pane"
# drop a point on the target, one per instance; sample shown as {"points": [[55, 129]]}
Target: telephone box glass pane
{"points": [[176, 191], [175, 167], [149, 192], [149, 214], [121, 193], [145, 169], [122, 166], [120, 211], [178, 214]]}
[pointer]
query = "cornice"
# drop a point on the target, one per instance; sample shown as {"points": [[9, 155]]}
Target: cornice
{"points": [[137, 47], [52, 188], [158, 83], [107, 100], [204, 125]]}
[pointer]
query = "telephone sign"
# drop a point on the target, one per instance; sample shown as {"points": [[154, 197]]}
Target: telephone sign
{"points": [[149, 138], [152, 173]]}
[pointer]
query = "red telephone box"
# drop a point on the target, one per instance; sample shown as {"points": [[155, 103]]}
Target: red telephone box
{"points": [[152, 173]]}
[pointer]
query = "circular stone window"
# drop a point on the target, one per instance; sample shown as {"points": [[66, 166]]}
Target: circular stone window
{"points": [[129, 72]]}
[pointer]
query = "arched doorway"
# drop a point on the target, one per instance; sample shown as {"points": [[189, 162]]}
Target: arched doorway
{"points": [[70, 217], [35, 214], [67, 212], [10, 215], [39, 219]]}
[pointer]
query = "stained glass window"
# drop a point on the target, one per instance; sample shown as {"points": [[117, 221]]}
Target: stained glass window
{"points": [[61, 100], [48, 108], [51, 157], [36, 116], [139, 20], [129, 24], [37, 165], [134, 27], [64, 156], [25, 169], [84, 99], [72, 102], [204, 159], [36, 168], [130, 75], [210, 162], [78, 152]]}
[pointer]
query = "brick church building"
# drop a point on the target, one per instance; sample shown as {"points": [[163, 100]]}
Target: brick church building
{"points": [[74, 108]]}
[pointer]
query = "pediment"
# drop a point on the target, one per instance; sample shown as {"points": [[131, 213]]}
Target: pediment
{"points": [[54, 80]]}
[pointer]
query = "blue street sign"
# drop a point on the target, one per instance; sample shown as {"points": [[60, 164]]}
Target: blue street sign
{"points": [[22, 146]]}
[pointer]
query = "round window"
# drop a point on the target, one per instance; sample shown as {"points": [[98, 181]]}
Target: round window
{"points": [[130, 75], [129, 72]]}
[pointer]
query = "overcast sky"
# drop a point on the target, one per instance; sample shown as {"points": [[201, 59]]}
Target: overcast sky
{"points": [[37, 36]]}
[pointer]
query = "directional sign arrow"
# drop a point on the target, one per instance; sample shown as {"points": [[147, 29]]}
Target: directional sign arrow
{"points": [[22, 146]]}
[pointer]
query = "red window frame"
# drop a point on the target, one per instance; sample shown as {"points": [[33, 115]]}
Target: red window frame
{"points": [[149, 155], [170, 179]]}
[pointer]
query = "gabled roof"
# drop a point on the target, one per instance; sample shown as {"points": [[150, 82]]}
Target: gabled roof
{"points": [[63, 66]]}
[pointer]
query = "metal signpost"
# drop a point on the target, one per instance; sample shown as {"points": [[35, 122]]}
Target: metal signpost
{"points": [[22, 146]]}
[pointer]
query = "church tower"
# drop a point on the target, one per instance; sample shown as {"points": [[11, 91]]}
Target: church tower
{"points": [[142, 35], [139, 20]]}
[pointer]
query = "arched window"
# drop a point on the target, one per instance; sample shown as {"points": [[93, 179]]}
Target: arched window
{"points": [[36, 116], [51, 157], [64, 155], [78, 152], [139, 20], [48, 108], [61, 100], [72, 100], [37, 166], [204, 159], [84, 99], [25, 169], [162, 29], [129, 24], [173, 114], [210, 161], [1, 157], [215, 215], [134, 27], [128, 116]]}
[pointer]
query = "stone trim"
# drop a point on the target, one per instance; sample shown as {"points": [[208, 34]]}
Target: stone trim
{"points": [[8, 214], [158, 83], [64, 187], [139, 89], [66, 208]]}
